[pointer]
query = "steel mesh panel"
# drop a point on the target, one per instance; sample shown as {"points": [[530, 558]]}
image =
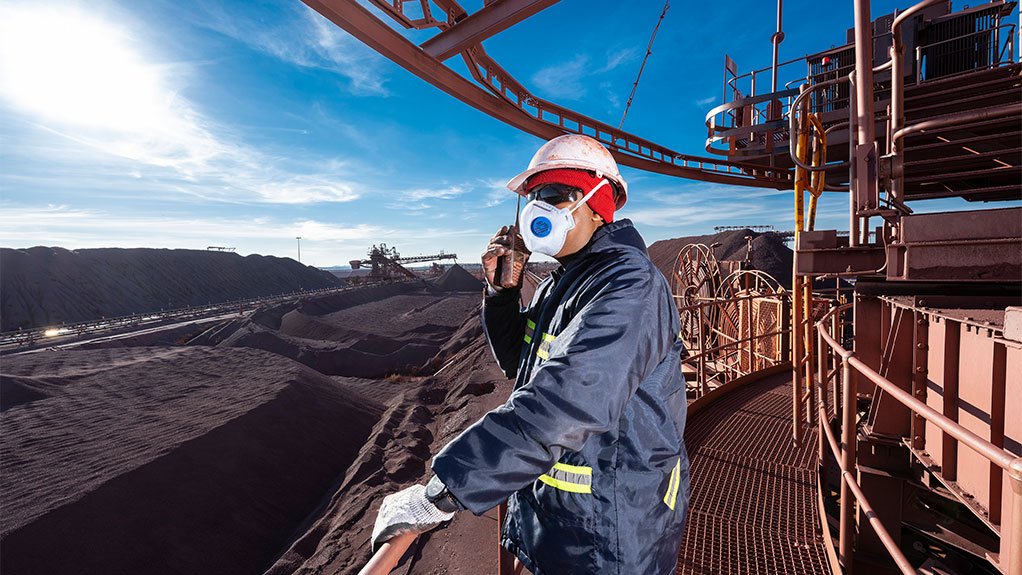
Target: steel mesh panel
{"points": [[753, 494], [767, 319]]}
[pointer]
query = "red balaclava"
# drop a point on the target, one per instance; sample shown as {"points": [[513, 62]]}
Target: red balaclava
{"points": [[602, 202]]}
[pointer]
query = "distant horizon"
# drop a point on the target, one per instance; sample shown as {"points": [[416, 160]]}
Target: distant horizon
{"points": [[474, 261]]}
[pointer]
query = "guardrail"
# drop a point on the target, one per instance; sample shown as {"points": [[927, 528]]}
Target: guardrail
{"points": [[847, 370], [751, 114], [738, 347]]}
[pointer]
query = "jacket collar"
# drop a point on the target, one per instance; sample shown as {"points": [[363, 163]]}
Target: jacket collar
{"points": [[608, 237]]}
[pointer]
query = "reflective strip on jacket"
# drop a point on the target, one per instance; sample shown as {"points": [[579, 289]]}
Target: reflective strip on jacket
{"points": [[588, 448]]}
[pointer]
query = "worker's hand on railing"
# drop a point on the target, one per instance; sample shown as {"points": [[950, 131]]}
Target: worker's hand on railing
{"points": [[406, 511], [402, 517], [504, 259]]}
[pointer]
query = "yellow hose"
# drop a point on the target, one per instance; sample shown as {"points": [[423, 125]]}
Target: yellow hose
{"points": [[819, 159], [802, 178]]}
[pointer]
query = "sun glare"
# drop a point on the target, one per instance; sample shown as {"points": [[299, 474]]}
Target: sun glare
{"points": [[68, 66]]}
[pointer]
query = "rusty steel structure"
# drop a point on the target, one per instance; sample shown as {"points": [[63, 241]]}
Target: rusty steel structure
{"points": [[733, 319], [904, 380], [386, 262]]}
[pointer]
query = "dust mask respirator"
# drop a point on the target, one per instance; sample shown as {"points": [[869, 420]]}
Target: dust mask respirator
{"points": [[545, 227]]}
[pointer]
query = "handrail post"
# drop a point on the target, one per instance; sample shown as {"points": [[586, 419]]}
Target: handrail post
{"points": [[703, 384], [897, 53], [864, 73], [822, 350], [1014, 545], [776, 40], [821, 395], [848, 438], [505, 560], [836, 330]]}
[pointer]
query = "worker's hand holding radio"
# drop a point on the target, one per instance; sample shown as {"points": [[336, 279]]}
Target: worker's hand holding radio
{"points": [[504, 259]]}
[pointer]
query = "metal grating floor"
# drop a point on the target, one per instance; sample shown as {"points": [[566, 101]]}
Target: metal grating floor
{"points": [[753, 501]]}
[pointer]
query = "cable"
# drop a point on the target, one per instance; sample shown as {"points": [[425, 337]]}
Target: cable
{"points": [[649, 50]]}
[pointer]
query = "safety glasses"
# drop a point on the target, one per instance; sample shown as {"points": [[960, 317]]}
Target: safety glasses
{"points": [[555, 194]]}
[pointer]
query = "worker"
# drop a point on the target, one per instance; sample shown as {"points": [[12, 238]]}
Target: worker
{"points": [[587, 451]]}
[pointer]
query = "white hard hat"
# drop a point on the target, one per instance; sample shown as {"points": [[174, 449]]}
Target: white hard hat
{"points": [[574, 151]]}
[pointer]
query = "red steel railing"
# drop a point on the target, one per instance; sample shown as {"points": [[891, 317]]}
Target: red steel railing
{"points": [[845, 452]]}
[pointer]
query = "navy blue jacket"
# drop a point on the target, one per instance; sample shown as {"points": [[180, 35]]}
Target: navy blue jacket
{"points": [[588, 448]]}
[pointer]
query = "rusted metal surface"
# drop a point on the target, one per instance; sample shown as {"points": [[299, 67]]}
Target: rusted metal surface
{"points": [[969, 245], [982, 475], [488, 21], [753, 492], [732, 326]]}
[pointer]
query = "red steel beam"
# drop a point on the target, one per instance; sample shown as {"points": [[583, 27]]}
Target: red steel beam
{"points": [[488, 21], [636, 152]]}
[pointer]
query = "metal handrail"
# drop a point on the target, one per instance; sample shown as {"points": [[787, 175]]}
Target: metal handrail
{"points": [[1007, 43], [998, 456], [734, 343], [1002, 458], [707, 302], [736, 346], [958, 118]]}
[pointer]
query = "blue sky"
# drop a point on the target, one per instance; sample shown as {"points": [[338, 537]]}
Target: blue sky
{"points": [[184, 124]]}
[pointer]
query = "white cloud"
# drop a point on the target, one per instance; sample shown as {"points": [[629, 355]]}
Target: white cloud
{"points": [[446, 193], [700, 204], [610, 95], [85, 96], [306, 190], [305, 38], [320, 231], [617, 58], [422, 202], [563, 80], [498, 192], [567, 79], [678, 216], [55, 224], [702, 102]]}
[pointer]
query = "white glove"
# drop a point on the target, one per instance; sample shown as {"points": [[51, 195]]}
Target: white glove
{"points": [[407, 511]]}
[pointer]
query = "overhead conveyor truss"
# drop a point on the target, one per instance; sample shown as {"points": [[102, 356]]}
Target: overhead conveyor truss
{"points": [[498, 94]]}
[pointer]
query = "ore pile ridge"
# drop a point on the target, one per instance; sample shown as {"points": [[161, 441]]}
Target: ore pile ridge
{"points": [[769, 252], [45, 286], [167, 460]]}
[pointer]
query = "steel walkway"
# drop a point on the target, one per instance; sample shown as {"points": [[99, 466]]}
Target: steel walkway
{"points": [[753, 494]]}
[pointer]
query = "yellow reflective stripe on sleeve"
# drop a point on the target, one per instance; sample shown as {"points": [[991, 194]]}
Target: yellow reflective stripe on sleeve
{"points": [[574, 469], [544, 346], [671, 497], [530, 328], [565, 485], [571, 478]]}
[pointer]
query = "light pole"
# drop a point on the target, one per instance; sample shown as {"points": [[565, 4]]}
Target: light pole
{"points": [[299, 238]]}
